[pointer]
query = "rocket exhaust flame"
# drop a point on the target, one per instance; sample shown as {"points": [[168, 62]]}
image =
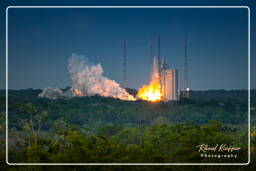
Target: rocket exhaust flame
{"points": [[152, 92], [77, 92]]}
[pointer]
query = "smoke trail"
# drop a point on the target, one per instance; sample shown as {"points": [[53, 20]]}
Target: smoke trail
{"points": [[87, 79]]}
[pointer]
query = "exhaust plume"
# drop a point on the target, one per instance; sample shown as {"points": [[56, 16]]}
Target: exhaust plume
{"points": [[51, 93], [87, 80], [56, 93]]}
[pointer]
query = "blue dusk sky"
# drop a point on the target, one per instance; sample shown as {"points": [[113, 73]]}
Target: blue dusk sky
{"points": [[42, 39]]}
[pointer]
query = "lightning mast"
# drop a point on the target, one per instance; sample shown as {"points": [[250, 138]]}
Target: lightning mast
{"points": [[159, 55], [186, 89], [124, 65], [151, 57]]}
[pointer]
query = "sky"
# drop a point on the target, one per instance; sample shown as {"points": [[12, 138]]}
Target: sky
{"points": [[41, 41]]}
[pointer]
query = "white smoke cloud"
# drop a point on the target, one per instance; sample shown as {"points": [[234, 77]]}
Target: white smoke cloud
{"points": [[87, 78], [56, 93], [51, 93]]}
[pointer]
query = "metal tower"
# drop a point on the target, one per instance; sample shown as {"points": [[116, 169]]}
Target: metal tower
{"points": [[158, 63], [151, 57], [124, 65], [159, 55], [186, 89]]}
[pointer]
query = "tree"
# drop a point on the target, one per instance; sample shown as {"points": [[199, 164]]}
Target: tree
{"points": [[40, 117], [109, 130], [160, 120]]}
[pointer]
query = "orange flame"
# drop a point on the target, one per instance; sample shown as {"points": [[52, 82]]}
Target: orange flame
{"points": [[78, 92], [151, 92], [129, 98]]}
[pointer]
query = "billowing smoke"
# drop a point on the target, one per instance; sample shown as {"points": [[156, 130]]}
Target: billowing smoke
{"points": [[87, 80], [56, 93], [51, 93]]}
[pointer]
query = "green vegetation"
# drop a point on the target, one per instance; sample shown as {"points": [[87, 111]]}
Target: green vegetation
{"points": [[106, 130], [96, 111]]}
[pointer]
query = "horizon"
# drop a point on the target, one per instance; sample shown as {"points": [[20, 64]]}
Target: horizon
{"points": [[135, 89]]}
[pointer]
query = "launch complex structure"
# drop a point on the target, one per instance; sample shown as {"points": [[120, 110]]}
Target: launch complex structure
{"points": [[163, 79], [167, 77]]}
